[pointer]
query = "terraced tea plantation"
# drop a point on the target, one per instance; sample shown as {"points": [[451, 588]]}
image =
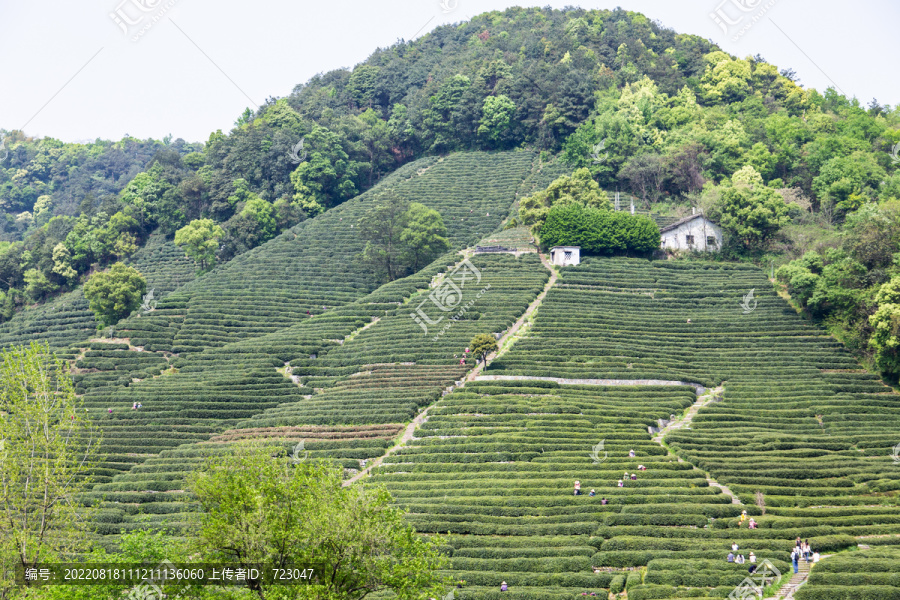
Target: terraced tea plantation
{"points": [[152, 496], [866, 574], [293, 342], [494, 467], [356, 383], [801, 431]]}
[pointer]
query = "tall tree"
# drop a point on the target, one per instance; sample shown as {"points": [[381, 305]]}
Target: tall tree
{"points": [[114, 294], [885, 338], [381, 229], [47, 449], [200, 239], [482, 345], [496, 116], [424, 237]]}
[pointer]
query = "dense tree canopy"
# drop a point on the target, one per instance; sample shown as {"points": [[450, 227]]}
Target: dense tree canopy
{"points": [[578, 188]]}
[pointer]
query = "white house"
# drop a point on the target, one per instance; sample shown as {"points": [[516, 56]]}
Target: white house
{"points": [[695, 232], [565, 256]]}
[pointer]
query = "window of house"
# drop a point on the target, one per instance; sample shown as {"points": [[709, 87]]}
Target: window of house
{"points": [[690, 240], [567, 256], [711, 240]]}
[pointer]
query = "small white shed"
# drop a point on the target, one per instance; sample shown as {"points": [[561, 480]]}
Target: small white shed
{"points": [[565, 256], [695, 232]]}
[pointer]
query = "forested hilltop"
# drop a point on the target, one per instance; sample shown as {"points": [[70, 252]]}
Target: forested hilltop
{"points": [[790, 173]]}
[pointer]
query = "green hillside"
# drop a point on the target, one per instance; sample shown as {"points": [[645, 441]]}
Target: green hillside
{"points": [[326, 304], [361, 384], [491, 468], [314, 264]]}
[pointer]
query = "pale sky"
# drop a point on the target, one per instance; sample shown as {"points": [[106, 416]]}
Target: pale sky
{"points": [[68, 71]]}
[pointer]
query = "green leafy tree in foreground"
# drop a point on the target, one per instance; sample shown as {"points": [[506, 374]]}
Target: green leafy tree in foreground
{"points": [[143, 547], [115, 293], [47, 449], [482, 345], [279, 511], [200, 240]]}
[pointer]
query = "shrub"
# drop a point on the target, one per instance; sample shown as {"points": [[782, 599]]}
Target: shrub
{"points": [[599, 231]]}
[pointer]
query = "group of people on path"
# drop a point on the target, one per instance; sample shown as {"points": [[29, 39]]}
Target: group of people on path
{"points": [[803, 550]]}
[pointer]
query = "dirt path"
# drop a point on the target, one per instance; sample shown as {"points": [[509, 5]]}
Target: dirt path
{"points": [[725, 490], [712, 395], [407, 436], [505, 342], [609, 382], [702, 400]]}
